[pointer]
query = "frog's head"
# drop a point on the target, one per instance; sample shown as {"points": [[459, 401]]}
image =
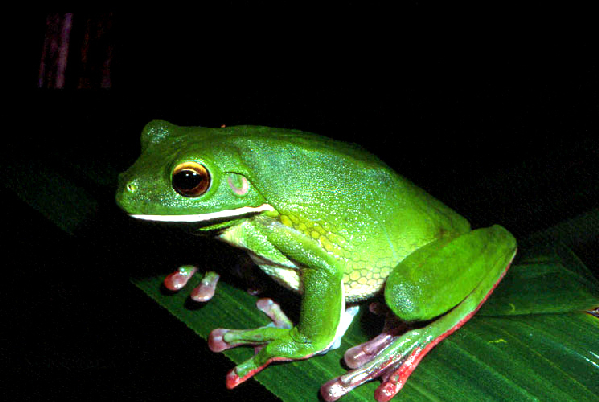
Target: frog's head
{"points": [[188, 174]]}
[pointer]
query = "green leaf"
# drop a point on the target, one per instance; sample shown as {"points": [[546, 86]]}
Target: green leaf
{"points": [[546, 357], [507, 352], [544, 279]]}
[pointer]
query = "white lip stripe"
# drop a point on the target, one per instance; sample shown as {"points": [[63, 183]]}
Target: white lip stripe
{"points": [[205, 217]]}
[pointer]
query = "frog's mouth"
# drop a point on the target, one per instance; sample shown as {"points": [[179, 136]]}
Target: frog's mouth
{"points": [[206, 218]]}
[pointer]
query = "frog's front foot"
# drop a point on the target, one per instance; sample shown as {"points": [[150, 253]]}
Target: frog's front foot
{"points": [[272, 344], [201, 293], [222, 339], [277, 341]]}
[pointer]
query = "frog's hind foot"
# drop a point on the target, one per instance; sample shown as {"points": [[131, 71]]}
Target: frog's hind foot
{"points": [[381, 357], [359, 355]]}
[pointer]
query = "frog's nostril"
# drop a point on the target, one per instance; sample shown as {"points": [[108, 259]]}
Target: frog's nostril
{"points": [[131, 187]]}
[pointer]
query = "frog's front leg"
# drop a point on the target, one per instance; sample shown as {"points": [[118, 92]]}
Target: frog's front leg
{"points": [[321, 309], [475, 262]]}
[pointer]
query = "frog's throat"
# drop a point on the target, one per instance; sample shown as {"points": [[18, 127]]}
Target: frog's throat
{"points": [[226, 214]]}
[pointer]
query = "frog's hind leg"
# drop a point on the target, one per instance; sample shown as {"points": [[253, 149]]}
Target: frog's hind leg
{"points": [[395, 357], [395, 377]]}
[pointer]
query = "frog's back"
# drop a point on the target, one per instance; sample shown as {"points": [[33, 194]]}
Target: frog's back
{"points": [[259, 136], [345, 198]]}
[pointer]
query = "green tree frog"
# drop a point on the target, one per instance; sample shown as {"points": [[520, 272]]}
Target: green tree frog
{"points": [[331, 221]]}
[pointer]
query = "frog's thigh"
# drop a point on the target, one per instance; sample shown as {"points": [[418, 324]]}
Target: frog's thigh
{"points": [[440, 275]]}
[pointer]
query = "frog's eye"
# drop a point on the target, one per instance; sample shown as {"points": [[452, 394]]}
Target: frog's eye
{"points": [[190, 179]]}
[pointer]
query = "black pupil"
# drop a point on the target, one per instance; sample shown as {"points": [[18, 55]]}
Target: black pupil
{"points": [[187, 179]]}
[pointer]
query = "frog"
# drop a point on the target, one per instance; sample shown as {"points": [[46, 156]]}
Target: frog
{"points": [[331, 221]]}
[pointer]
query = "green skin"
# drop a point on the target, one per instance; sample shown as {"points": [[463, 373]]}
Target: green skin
{"points": [[331, 221]]}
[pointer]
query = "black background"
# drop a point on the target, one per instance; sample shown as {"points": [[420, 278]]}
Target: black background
{"points": [[500, 125]]}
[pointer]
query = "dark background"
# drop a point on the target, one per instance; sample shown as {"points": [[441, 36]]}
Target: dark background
{"points": [[503, 128]]}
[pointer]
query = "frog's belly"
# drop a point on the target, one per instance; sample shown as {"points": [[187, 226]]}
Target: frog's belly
{"points": [[289, 276], [355, 291], [365, 282]]}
